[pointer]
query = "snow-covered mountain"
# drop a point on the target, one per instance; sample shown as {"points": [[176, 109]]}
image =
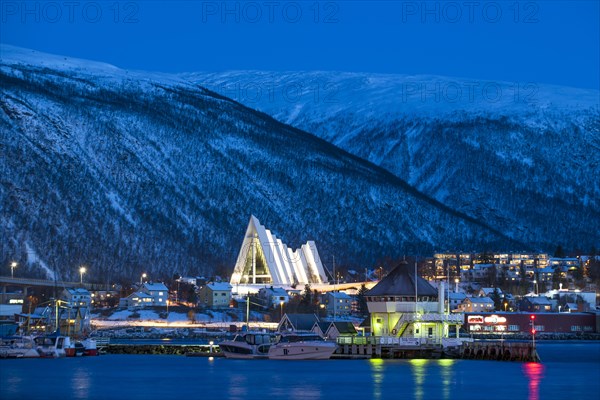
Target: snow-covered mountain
{"points": [[130, 172], [522, 157]]}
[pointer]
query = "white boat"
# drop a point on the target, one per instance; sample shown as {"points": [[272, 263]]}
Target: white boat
{"points": [[247, 345], [301, 347], [90, 346], [18, 347], [52, 346]]}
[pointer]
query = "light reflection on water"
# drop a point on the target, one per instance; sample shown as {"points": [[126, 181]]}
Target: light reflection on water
{"points": [[446, 368], [80, 384], [568, 372], [419, 373], [534, 372], [377, 366]]}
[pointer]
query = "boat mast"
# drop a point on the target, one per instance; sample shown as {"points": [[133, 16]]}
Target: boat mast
{"points": [[248, 312], [56, 315], [416, 290], [334, 290]]}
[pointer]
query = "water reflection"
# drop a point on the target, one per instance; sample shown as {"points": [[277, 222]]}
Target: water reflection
{"points": [[238, 386], [418, 369], [377, 372], [534, 372], [446, 372], [80, 384]]}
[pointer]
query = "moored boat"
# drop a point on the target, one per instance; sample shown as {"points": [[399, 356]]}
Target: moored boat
{"points": [[90, 348], [247, 345], [301, 347], [52, 346], [18, 347]]}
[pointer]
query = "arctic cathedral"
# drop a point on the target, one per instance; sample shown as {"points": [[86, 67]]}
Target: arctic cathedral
{"points": [[265, 259]]}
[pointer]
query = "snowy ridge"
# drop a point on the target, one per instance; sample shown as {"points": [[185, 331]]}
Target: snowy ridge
{"points": [[129, 175], [521, 157]]}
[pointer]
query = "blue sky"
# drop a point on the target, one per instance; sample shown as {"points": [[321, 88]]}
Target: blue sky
{"points": [[554, 42]]}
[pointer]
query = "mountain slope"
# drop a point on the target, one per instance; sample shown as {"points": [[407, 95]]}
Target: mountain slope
{"points": [[129, 172], [523, 158]]}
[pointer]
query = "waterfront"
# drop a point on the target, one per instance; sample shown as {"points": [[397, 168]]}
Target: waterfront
{"points": [[569, 370]]}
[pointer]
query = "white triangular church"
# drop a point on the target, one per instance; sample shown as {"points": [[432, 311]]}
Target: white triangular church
{"points": [[265, 259]]}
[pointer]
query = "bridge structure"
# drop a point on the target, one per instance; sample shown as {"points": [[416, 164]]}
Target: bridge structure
{"points": [[27, 283]]}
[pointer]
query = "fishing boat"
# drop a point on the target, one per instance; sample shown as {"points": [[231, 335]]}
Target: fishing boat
{"points": [[247, 345], [301, 347], [90, 347], [53, 345], [18, 347]]}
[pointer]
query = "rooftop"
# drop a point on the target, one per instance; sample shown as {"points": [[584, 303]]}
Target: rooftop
{"points": [[401, 282]]}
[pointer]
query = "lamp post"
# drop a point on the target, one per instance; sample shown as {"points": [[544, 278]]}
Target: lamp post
{"points": [[142, 278], [456, 280], [81, 272], [535, 286], [13, 265], [281, 310]]}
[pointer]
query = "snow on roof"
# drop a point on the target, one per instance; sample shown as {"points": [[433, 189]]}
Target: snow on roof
{"points": [[219, 286], [339, 295], [153, 287], [490, 290], [456, 296], [480, 300]]}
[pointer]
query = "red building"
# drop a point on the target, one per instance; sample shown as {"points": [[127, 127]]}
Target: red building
{"points": [[509, 322]]}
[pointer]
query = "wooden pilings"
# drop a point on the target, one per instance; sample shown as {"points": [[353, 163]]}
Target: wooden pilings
{"points": [[497, 350]]}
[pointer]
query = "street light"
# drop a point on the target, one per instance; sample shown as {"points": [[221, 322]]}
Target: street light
{"points": [[456, 280], [535, 286], [13, 265], [281, 311], [81, 272], [142, 278]]}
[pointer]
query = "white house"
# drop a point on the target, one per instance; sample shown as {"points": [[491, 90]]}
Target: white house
{"points": [[215, 295], [273, 296], [136, 300], [77, 297], [158, 291]]}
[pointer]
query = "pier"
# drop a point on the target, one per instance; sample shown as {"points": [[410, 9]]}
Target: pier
{"points": [[361, 348], [394, 348]]}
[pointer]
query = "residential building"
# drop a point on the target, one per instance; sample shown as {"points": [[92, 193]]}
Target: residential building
{"points": [[535, 304], [338, 303], [298, 323], [136, 300], [476, 304], [340, 328], [455, 299], [273, 297], [215, 295], [158, 291], [77, 297]]}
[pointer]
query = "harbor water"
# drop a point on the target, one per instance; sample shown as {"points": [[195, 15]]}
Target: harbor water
{"points": [[568, 371]]}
